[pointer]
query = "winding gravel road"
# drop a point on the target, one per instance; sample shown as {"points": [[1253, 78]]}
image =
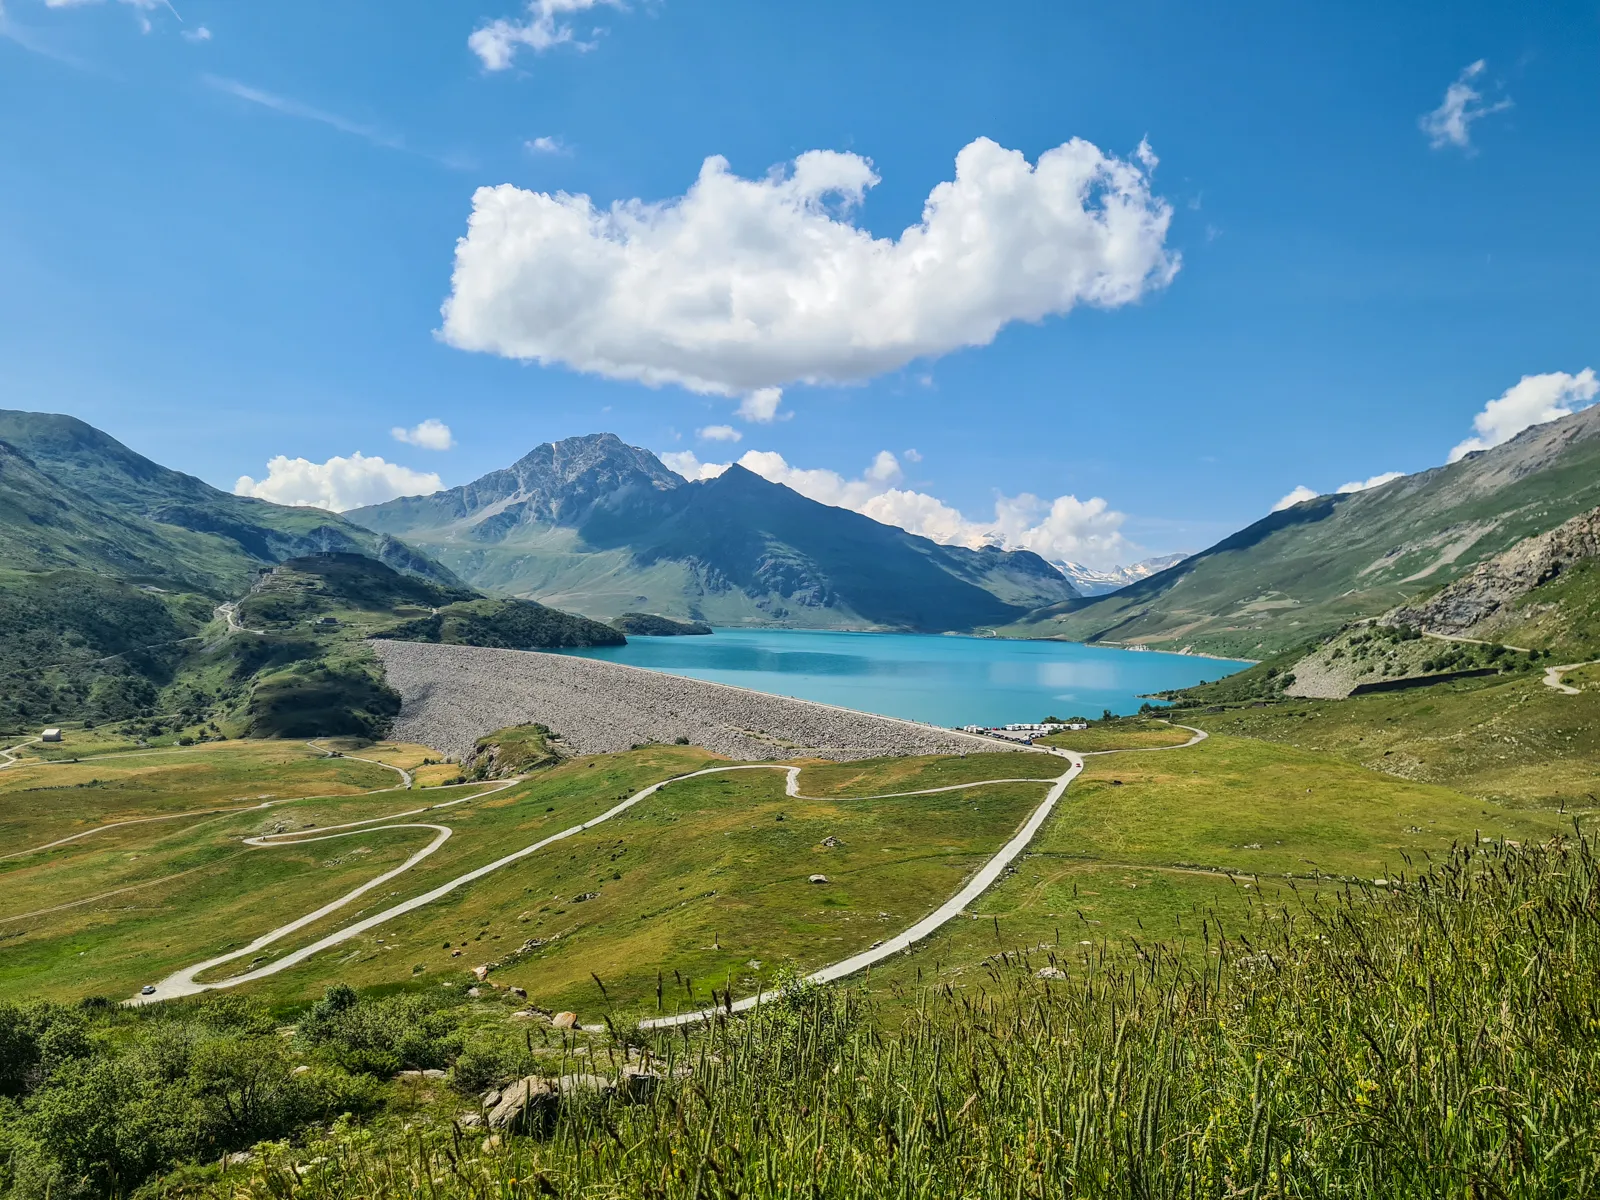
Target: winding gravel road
{"points": [[1552, 678], [405, 782], [184, 982]]}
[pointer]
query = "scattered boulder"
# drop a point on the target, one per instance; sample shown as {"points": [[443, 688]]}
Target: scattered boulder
{"points": [[480, 973], [565, 1020], [819, 879], [474, 992], [524, 1105], [519, 993], [301, 1069], [470, 1120], [491, 1097], [1050, 973], [830, 841]]}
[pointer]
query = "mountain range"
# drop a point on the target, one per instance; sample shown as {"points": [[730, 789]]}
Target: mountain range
{"points": [[1091, 581], [599, 527], [111, 564]]}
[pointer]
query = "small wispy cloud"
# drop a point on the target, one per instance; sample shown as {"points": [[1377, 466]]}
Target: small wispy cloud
{"points": [[290, 107], [30, 41], [1451, 123], [198, 34], [546, 145], [497, 43], [140, 7], [720, 433]]}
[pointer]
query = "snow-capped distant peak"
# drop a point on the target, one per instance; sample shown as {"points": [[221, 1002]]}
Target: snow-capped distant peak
{"points": [[1092, 582]]}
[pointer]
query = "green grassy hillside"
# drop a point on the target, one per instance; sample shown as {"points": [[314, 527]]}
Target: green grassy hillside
{"points": [[1305, 571], [213, 538], [651, 625], [111, 567], [506, 625], [80, 643]]}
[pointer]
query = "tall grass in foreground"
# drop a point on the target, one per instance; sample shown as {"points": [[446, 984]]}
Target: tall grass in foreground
{"points": [[1437, 1038]]}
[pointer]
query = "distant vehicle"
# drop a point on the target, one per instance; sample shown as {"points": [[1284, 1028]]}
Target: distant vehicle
{"points": [[148, 989]]}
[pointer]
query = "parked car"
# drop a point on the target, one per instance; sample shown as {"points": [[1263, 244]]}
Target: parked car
{"points": [[148, 989]]}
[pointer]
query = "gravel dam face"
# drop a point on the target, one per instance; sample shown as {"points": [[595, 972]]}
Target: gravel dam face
{"points": [[453, 695]]}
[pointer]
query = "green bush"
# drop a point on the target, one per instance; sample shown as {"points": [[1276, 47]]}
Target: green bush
{"points": [[98, 1099], [382, 1036]]}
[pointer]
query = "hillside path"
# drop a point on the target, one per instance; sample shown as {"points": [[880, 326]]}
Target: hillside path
{"points": [[951, 908], [1552, 677], [405, 776], [10, 752]]}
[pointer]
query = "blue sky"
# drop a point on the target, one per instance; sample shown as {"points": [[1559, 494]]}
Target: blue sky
{"points": [[231, 245]]}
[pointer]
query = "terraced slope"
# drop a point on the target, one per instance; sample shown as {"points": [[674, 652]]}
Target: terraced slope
{"points": [[1301, 573]]}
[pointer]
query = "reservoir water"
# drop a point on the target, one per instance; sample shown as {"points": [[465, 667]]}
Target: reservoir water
{"points": [[943, 680]]}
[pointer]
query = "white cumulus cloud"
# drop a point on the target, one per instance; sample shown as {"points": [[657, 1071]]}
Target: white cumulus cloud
{"points": [[742, 286], [1451, 123], [1361, 485], [1062, 529], [1532, 400], [431, 434], [496, 44], [545, 145], [338, 484], [685, 463], [720, 433], [1301, 493]]}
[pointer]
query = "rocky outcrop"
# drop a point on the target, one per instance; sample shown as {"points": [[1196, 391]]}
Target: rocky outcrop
{"points": [[1492, 585], [529, 1105]]}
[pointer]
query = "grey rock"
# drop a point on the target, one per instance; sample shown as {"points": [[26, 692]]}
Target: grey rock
{"points": [[1492, 585], [524, 1105]]}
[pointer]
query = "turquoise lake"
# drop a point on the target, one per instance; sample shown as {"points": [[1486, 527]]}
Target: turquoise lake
{"points": [[924, 677]]}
